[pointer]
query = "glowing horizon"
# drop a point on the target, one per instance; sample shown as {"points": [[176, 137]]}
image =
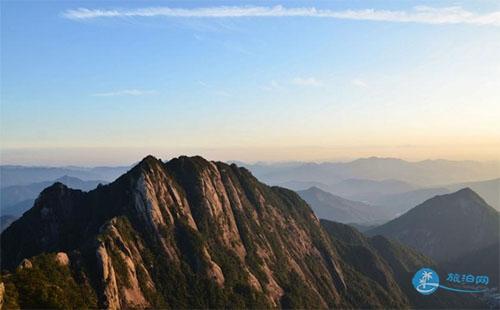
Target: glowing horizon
{"points": [[307, 82]]}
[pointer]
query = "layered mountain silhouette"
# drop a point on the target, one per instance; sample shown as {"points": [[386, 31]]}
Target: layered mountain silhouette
{"points": [[335, 208], [426, 173], [25, 175], [16, 199], [401, 202], [447, 226], [191, 233]]}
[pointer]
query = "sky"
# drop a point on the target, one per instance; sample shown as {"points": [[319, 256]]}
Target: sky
{"points": [[98, 83]]}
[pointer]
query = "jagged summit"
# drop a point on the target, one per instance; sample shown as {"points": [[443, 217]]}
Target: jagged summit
{"points": [[148, 163], [185, 219], [190, 233], [57, 186]]}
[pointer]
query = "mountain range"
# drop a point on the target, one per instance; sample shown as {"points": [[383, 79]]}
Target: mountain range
{"points": [[389, 198], [335, 208], [427, 173], [25, 175], [190, 233]]}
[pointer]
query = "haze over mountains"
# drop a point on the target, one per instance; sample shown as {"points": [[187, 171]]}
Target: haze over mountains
{"points": [[395, 184], [335, 208], [191, 233], [447, 226], [25, 175], [367, 181], [16, 199], [427, 173]]}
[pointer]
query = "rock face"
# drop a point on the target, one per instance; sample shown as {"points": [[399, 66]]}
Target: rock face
{"points": [[166, 234], [2, 292], [189, 233], [62, 259], [25, 264], [447, 226]]}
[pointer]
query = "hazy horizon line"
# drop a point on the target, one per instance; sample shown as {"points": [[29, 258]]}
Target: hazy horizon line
{"points": [[244, 162]]}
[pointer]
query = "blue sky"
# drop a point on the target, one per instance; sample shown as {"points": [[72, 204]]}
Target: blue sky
{"points": [[329, 80]]}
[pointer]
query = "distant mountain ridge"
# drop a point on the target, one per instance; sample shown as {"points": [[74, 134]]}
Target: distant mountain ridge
{"points": [[24, 175], [446, 226], [489, 190], [16, 199], [191, 233], [393, 198], [335, 208], [427, 173]]}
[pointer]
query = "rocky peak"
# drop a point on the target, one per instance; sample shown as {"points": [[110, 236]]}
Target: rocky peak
{"points": [[202, 219]]}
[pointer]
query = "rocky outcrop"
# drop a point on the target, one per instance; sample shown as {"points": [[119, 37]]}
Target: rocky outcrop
{"points": [[25, 264], [2, 293], [186, 218], [191, 233], [62, 259]]}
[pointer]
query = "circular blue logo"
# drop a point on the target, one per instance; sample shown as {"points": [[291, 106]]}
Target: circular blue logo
{"points": [[425, 281]]}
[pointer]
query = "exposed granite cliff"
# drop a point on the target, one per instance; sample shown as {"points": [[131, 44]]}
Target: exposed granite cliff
{"points": [[191, 233], [144, 237]]}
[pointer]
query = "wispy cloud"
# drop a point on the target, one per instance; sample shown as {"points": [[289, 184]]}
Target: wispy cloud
{"points": [[419, 14], [272, 85], [222, 93], [359, 83], [125, 92], [202, 83], [306, 81]]}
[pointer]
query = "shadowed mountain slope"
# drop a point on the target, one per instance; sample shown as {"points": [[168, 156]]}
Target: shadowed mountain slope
{"points": [[392, 265], [447, 226], [188, 233]]}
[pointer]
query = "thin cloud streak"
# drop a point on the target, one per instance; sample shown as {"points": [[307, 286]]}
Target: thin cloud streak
{"points": [[419, 14], [125, 92], [307, 81], [359, 83]]}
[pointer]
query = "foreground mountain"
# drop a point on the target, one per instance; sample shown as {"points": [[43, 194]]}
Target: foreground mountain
{"points": [[16, 199], [446, 227], [5, 221], [335, 208], [184, 234]]}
